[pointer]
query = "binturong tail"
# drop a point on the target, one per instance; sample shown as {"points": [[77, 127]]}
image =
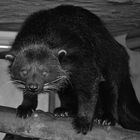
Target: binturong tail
{"points": [[129, 107]]}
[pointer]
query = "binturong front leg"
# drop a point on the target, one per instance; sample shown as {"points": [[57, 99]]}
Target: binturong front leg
{"points": [[28, 105], [87, 100]]}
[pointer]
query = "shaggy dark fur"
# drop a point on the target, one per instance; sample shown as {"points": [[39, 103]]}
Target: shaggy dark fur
{"points": [[72, 42]]}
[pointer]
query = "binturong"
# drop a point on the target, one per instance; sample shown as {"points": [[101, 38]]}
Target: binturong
{"points": [[68, 50]]}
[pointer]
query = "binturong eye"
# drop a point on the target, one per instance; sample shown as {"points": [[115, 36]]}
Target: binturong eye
{"points": [[23, 73], [61, 55], [45, 73]]}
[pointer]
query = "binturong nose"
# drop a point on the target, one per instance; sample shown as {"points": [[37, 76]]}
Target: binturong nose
{"points": [[33, 87]]}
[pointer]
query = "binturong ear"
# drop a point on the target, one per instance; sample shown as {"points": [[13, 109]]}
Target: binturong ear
{"points": [[10, 57], [61, 55], [7, 55]]}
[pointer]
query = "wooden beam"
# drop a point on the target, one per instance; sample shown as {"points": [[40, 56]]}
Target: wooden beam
{"points": [[45, 126], [132, 39]]}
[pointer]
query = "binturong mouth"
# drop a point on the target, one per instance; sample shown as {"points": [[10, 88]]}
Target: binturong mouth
{"points": [[38, 88], [31, 88]]}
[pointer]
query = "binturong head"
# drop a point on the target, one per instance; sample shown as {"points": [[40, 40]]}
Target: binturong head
{"points": [[37, 69]]}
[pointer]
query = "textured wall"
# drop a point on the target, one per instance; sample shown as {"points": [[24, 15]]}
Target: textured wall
{"points": [[119, 17]]}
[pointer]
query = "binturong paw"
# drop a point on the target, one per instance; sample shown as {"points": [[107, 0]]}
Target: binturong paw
{"points": [[105, 120], [82, 125], [24, 111], [63, 112]]}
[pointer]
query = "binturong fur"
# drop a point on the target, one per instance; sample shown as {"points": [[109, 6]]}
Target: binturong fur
{"points": [[67, 49]]}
